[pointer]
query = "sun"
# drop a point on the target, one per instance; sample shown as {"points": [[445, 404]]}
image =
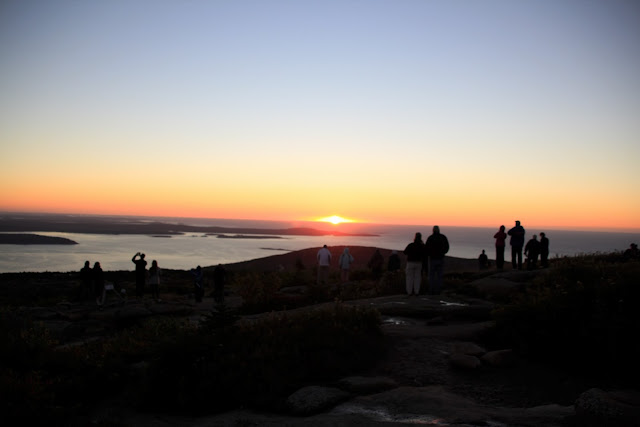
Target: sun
{"points": [[335, 220]]}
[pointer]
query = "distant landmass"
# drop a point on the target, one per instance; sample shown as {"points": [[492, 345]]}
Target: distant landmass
{"points": [[33, 239], [129, 225]]}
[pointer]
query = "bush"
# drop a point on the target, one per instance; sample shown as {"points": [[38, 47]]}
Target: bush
{"points": [[259, 362], [582, 315]]}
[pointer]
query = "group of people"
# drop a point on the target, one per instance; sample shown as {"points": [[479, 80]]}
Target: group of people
{"points": [[346, 260], [219, 278], [426, 257], [93, 283], [533, 249]]}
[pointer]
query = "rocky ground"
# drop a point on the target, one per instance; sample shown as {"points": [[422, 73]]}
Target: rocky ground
{"points": [[437, 369]]}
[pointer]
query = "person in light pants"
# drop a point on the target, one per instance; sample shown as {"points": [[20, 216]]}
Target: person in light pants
{"points": [[415, 254]]}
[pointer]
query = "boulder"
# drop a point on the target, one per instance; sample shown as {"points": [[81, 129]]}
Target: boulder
{"points": [[464, 361], [494, 286], [499, 358], [469, 348], [367, 385], [596, 407], [314, 399]]}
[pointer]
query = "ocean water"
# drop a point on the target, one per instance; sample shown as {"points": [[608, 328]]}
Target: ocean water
{"points": [[114, 252]]}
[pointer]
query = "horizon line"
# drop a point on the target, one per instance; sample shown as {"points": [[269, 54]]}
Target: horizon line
{"points": [[344, 225]]}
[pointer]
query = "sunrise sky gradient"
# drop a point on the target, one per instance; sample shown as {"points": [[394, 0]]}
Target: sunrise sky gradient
{"points": [[471, 113]]}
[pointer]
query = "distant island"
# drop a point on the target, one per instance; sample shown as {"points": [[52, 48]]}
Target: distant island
{"points": [[33, 239], [243, 236], [16, 223]]}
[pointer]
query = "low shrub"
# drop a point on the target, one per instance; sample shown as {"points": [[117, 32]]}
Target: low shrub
{"points": [[258, 363], [582, 316]]}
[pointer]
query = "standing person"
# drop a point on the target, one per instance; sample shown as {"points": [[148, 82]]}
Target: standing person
{"points": [[437, 246], [532, 250], [415, 254], [154, 280], [98, 284], [344, 262], [394, 261], [198, 285], [516, 242], [376, 264], [544, 250], [483, 261], [141, 273], [324, 260], [86, 277], [219, 277], [500, 237]]}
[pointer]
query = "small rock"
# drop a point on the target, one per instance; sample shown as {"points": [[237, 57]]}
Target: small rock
{"points": [[597, 407], [313, 399], [499, 358], [464, 361], [367, 385], [469, 348]]}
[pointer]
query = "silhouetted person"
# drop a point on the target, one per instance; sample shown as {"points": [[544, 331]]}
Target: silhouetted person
{"points": [[376, 264], [500, 237], [344, 263], [154, 280], [98, 284], [632, 252], [532, 251], [198, 285], [394, 263], [516, 242], [483, 261], [141, 273], [437, 246], [219, 278], [86, 279], [324, 260], [544, 250], [415, 254]]}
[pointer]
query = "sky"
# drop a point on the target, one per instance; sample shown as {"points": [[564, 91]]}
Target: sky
{"points": [[450, 112]]}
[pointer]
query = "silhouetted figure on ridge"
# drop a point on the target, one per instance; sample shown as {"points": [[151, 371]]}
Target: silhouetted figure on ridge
{"points": [[344, 262], [437, 246], [532, 250], [86, 279], [500, 237], [517, 242], [483, 261], [154, 280], [415, 254], [376, 264], [141, 273], [98, 284], [632, 252], [198, 283], [394, 263], [544, 250], [324, 261]]}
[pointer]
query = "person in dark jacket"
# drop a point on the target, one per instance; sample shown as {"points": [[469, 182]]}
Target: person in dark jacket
{"points": [[516, 242], [544, 250], [500, 237], [437, 246], [141, 273], [415, 253], [98, 284], [532, 251], [393, 264], [86, 277]]}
